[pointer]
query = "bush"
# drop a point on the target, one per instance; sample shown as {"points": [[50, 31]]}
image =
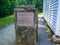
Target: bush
{"points": [[37, 3], [6, 7]]}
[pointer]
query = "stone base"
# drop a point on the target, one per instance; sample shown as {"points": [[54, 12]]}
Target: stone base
{"points": [[26, 36], [56, 39]]}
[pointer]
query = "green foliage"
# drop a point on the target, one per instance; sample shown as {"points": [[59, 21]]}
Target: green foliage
{"points": [[6, 7], [37, 3]]}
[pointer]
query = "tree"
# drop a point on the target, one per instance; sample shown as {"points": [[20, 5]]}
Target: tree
{"points": [[37, 3], [6, 7]]}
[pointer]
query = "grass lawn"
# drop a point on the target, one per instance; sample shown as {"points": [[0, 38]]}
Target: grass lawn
{"points": [[40, 14], [6, 20]]}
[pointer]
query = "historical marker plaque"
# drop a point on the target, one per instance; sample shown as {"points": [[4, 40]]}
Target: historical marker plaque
{"points": [[25, 18]]}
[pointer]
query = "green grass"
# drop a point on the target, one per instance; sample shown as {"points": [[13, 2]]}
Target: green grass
{"points": [[6, 20], [40, 14]]}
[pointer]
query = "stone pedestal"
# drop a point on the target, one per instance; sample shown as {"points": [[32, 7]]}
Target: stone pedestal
{"points": [[26, 36], [26, 27]]}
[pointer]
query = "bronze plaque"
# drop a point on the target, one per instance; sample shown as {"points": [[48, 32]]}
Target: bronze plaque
{"points": [[25, 18]]}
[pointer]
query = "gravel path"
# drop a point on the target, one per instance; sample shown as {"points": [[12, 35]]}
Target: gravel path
{"points": [[7, 35], [42, 35]]}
